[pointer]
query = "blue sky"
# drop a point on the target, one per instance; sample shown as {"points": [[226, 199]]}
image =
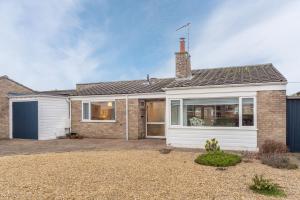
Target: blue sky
{"points": [[56, 44]]}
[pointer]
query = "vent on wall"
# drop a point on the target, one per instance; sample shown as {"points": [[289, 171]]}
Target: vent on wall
{"points": [[142, 104]]}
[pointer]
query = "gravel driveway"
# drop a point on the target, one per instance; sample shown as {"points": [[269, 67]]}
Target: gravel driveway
{"points": [[132, 174]]}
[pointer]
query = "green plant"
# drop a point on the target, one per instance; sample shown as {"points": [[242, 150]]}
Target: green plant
{"points": [[212, 145], [271, 146], [265, 186], [218, 159], [280, 161]]}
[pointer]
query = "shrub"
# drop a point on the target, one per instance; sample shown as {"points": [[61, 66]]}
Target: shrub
{"points": [[74, 136], [212, 145], [280, 161], [165, 150], [218, 159], [271, 146], [265, 186], [249, 155]]}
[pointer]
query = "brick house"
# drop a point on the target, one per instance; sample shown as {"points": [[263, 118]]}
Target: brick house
{"points": [[240, 106], [8, 86]]}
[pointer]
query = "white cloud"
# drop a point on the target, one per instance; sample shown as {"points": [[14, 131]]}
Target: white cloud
{"points": [[249, 32], [38, 46]]}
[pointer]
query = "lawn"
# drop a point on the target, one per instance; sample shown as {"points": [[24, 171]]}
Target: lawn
{"points": [[132, 174]]}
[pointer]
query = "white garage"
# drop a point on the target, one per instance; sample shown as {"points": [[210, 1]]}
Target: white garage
{"points": [[41, 117]]}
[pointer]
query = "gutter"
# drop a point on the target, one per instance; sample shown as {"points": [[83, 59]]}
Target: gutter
{"points": [[293, 97], [223, 86], [127, 136], [70, 114], [121, 95], [35, 96]]}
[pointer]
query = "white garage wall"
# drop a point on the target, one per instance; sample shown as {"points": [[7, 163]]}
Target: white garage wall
{"points": [[53, 117]]}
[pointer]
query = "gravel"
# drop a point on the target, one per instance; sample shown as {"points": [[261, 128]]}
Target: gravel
{"points": [[132, 174]]}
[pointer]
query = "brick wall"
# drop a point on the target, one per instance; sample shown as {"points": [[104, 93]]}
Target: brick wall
{"points": [[271, 116], [133, 118], [183, 65], [142, 119], [112, 129], [7, 86]]}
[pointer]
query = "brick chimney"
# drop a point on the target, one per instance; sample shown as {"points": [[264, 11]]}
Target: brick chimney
{"points": [[183, 62]]}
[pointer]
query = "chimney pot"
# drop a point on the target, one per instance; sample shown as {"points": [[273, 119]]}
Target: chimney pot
{"points": [[182, 45]]}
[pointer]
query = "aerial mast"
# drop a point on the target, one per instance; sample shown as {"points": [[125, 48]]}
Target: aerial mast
{"points": [[187, 28]]}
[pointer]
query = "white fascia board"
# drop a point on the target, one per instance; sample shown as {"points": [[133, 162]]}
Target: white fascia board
{"points": [[226, 89], [36, 96], [228, 86], [24, 99], [160, 95]]}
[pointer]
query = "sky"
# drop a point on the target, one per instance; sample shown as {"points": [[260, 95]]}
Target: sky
{"points": [[55, 44]]}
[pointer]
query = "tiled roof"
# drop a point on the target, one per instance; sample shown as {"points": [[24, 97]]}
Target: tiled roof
{"points": [[125, 87], [265, 73]]}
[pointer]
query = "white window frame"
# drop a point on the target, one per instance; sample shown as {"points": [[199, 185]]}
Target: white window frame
{"points": [[158, 123], [214, 127], [90, 114], [180, 111], [241, 112]]}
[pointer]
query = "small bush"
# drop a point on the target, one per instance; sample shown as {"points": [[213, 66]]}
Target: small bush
{"points": [[165, 150], [249, 155], [212, 145], [74, 136], [265, 186], [271, 146], [280, 161], [218, 159]]}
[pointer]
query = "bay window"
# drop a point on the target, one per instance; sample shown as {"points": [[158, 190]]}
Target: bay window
{"points": [[98, 111], [212, 112]]}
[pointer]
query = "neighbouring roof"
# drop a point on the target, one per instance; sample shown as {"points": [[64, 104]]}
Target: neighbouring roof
{"points": [[7, 78], [248, 74], [295, 95]]}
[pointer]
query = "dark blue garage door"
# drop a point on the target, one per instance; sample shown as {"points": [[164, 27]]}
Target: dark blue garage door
{"points": [[25, 120], [293, 124]]}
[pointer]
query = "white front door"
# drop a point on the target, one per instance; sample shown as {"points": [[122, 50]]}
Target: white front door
{"points": [[155, 119]]}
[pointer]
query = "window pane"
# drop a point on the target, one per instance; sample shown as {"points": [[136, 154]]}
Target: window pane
{"points": [[218, 101], [211, 112], [86, 112], [175, 112], [248, 110], [103, 110], [156, 111]]}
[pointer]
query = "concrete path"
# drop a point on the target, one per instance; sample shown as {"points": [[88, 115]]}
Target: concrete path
{"points": [[18, 146]]}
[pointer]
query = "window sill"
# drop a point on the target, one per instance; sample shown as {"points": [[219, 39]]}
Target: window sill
{"points": [[214, 128], [98, 121]]}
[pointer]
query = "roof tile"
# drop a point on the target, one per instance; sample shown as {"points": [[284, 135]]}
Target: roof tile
{"points": [[263, 73]]}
